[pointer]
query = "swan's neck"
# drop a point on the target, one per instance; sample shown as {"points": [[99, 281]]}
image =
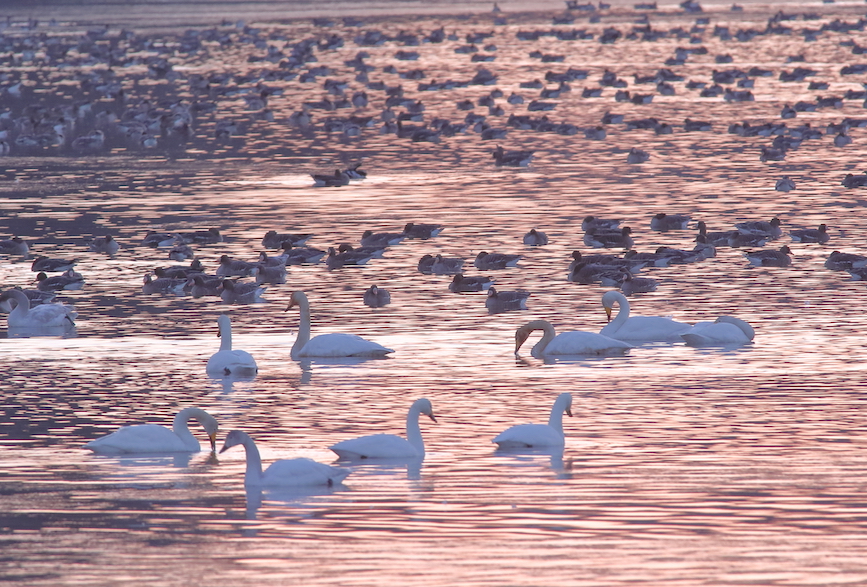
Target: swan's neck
{"points": [[555, 421], [303, 328], [22, 307], [181, 427], [548, 335], [225, 337], [619, 320], [253, 475], [413, 430]]}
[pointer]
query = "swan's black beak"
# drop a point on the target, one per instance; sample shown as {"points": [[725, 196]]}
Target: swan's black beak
{"points": [[431, 416], [569, 412]]}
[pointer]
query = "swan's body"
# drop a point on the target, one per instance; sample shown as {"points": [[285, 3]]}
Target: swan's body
{"points": [[645, 328], [726, 330], [228, 361], [390, 446], [153, 438], [328, 345], [284, 472], [42, 316], [575, 342], [539, 435]]}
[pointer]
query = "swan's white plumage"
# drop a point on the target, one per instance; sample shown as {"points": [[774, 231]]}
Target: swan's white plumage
{"points": [[575, 342], [726, 330], [638, 328], [328, 345], [539, 435], [390, 446], [153, 438], [43, 316], [228, 361], [284, 472]]}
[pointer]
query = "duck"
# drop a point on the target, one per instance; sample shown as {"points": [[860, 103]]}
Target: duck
{"points": [[548, 435], [154, 438], [574, 342], [461, 283], [25, 314], [505, 301], [811, 235], [376, 297], [282, 472], [162, 285], [446, 265], [489, 261], [422, 231], [105, 244], [598, 239], [535, 238], [67, 281], [725, 330], [778, 258], [664, 222], [381, 239], [228, 361], [390, 446], [235, 292], [52, 265], [328, 345], [503, 158], [14, 246], [638, 328]]}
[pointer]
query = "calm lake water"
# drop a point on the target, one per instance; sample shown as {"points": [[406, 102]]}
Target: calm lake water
{"points": [[682, 466]]}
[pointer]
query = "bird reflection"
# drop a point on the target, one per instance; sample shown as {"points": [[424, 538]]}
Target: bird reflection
{"points": [[530, 457], [30, 332], [299, 496]]}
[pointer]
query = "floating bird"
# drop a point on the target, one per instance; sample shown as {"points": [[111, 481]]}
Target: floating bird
{"points": [[637, 328], [228, 361], [105, 244], [505, 301], [778, 258], [504, 158], [726, 330], [25, 314], [376, 297], [811, 235], [153, 438], [461, 283], [538, 435], [567, 343], [490, 261], [535, 238], [390, 446], [664, 222]]}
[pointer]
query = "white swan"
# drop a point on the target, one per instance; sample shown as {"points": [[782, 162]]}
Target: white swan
{"points": [[284, 472], [575, 342], [153, 438], [390, 446], [227, 361], [43, 316], [646, 328], [539, 435], [328, 345], [726, 330]]}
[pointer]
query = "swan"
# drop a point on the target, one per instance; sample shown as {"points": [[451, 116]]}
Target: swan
{"points": [[283, 472], [726, 330], [153, 438], [227, 361], [575, 342], [328, 345], [55, 316], [539, 435], [390, 446], [645, 328]]}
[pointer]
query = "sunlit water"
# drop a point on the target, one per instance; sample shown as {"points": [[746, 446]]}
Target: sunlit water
{"points": [[682, 466]]}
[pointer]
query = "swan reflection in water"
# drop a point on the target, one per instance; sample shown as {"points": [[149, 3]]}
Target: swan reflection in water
{"points": [[300, 496], [41, 331], [532, 457]]}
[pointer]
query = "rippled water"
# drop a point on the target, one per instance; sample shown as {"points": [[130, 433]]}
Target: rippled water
{"points": [[682, 466]]}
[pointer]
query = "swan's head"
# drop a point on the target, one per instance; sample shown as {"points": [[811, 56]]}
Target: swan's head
{"points": [[424, 407], [223, 323], [608, 301], [208, 422], [296, 299], [234, 438]]}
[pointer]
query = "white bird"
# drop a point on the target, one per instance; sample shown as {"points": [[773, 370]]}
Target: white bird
{"points": [[43, 316], [644, 328], [390, 446], [283, 472], [726, 330], [328, 345], [153, 438], [575, 342], [228, 361], [539, 435]]}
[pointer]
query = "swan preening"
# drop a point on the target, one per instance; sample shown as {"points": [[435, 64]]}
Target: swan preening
{"points": [[227, 361], [638, 328], [284, 472], [328, 345], [390, 446], [153, 438], [539, 435], [567, 343], [726, 330], [50, 317]]}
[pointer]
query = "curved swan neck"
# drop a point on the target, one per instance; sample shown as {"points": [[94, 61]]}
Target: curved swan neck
{"points": [[22, 307], [413, 430], [563, 403], [299, 299], [225, 333], [253, 475], [548, 334], [622, 314], [181, 426]]}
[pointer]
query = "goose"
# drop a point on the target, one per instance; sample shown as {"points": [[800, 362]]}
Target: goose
{"points": [[784, 184], [268, 261], [159, 239], [703, 249], [489, 261], [301, 255], [589, 273], [228, 361], [376, 297], [14, 246], [638, 328], [778, 258], [337, 260], [511, 158], [422, 231], [51, 265], [340, 178], [162, 285], [636, 156], [390, 446], [203, 237], [372, 251], [740, 239], [154, 438], [726, 330], [67, 281], [535, 238], [283, 472], [234, 268], [461, 283], [575, 342], [234, 292], [838, 261], [25, 314], [717, 238], [381, 239], [633, 285], [811, 235], [328, 345], [275, 240], [538, 435], [591, 222], [181, 252], [105, 244], [446, 265], [274, 274], [204, 285], [355, 172], [769, 228], [425, 264], [598, 239], [505, 301], [664, 222], [179, 271]]}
